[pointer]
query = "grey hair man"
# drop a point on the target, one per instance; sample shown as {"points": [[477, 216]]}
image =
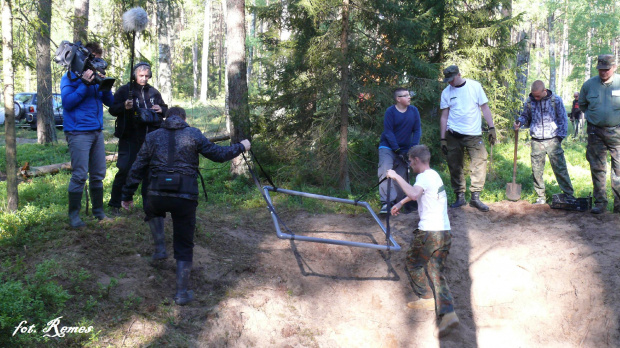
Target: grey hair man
{"points": [[599, 99]]}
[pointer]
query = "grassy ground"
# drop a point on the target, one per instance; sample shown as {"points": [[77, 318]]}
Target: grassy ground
{"points": [[44, 274]]}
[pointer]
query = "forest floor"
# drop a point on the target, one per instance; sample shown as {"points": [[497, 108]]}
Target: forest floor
{"points": [[521, 276]]}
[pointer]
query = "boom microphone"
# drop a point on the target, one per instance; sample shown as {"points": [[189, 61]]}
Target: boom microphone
{"points": [[135, 20]]}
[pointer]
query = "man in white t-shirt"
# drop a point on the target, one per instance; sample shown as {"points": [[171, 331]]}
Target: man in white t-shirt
{"points": [[432, 239], [460, 130]]}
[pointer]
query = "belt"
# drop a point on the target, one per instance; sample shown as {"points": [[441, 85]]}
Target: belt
{"points": [[604, 127]]}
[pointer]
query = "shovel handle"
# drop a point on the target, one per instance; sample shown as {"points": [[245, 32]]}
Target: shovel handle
{"points": [[514, 169]]}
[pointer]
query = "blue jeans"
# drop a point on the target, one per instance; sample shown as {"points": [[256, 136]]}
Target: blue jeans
{"points": [[389, 160], [87, 159]]}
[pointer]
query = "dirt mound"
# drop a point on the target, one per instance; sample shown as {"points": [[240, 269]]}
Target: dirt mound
{"points": [[521, 275]]}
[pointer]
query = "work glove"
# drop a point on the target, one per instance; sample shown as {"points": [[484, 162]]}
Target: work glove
{"points": [[444, 147], [492, 135]]}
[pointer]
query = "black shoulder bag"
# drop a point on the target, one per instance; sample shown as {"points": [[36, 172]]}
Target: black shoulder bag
{"points": [[171, 181]]}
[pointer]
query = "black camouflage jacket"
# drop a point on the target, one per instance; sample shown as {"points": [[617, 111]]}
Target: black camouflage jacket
{"points": [[190, 142]]}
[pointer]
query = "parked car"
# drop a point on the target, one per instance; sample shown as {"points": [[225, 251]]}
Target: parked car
{"points": [[29, 104]]}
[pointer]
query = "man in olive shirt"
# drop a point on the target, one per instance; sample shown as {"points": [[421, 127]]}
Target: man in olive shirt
{"points": [[599, 99]]}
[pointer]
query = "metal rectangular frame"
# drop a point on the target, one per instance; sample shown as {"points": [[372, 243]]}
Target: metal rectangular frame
{"points": [[393, 247]]}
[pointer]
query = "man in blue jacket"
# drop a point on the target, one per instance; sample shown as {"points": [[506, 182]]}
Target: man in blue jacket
{"points": [[401, 130], [544, 113], [83, 124]]}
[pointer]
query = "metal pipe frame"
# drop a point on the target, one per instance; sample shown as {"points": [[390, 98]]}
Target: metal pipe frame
{"points": [[393, 247]]}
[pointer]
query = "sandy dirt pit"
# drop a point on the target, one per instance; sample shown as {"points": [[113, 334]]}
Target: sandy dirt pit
{"points": [[521, 276]]}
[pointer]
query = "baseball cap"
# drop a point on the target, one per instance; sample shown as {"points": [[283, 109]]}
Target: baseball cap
{"points": [[606, 61], [450, 72]]}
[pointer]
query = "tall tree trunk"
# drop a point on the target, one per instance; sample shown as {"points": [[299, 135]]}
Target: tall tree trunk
{"points": [[27, 73], [80, 24], [562, 89], [9, 109], [46, 132], [251, 48], [206, 39], [220, 53], [164, 72], [523, 63], [441, 33], [237, 77], [343, 178], [588, 52], [195, 65], [552, 71]]}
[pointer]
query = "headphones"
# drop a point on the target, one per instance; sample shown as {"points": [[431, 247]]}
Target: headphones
{"points": [[144, 64]]}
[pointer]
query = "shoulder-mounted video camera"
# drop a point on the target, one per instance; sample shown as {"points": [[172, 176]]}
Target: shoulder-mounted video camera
{"points": [[77, 59]]}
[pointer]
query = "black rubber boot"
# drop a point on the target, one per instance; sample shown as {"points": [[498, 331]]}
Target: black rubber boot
{"points": [[159, 238], [599, 208], [96, 197], [183, 296], [477, 203], [460, 200], [75, 204]]}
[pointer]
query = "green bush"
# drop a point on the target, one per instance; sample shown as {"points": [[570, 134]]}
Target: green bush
{"points": [[37, 300]]}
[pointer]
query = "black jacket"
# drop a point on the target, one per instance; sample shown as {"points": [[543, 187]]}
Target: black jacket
{"points": [[143, 97], [153, 156]]}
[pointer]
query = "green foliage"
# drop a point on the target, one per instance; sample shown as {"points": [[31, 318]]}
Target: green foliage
{"points": [[37, 299], [299, 107]]}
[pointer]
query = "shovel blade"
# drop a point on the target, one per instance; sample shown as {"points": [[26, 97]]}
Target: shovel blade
{"points": [[513, 191]]}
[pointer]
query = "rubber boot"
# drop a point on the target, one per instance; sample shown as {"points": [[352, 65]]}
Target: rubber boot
{"points": [[460, 200], [96, 197], [477, 203], [183, 296], [599, 208], [159, 238], [75, 204]]}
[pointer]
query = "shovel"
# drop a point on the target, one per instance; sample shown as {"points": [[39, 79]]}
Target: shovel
{"points": [[513, 190]]}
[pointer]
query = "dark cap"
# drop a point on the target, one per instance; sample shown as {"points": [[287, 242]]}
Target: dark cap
{"points": [[450, 72], [606, 61]]}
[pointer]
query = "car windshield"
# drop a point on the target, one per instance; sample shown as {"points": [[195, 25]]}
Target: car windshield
{"points": [[23, 97], [57, 101]]}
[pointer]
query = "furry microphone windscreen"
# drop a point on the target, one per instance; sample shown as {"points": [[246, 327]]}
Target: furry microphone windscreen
{"points": [[135, 19]]}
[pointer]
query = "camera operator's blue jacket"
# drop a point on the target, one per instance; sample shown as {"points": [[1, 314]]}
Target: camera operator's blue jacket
{"points": [[82, 104]]}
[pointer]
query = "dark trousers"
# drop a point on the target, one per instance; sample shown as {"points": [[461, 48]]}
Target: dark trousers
{"points": [[602, 140], [474, 146], [127, 153], [183, 212]]}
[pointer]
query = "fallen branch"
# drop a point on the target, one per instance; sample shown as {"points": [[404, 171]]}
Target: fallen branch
{"points": [[221, 137], [54, 168], [26, 172]]}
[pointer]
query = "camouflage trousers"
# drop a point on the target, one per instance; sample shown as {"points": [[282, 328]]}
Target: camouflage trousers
{"points": [[552, 148], [425, 264], [474, 145], [601, 140]]}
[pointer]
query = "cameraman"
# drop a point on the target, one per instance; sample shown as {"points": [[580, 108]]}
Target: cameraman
{"points": [[130, 131], [83, 124], [170, 157]]}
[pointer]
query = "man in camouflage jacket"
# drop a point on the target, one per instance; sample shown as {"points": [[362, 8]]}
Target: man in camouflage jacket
{"points": [[545, 115]]}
